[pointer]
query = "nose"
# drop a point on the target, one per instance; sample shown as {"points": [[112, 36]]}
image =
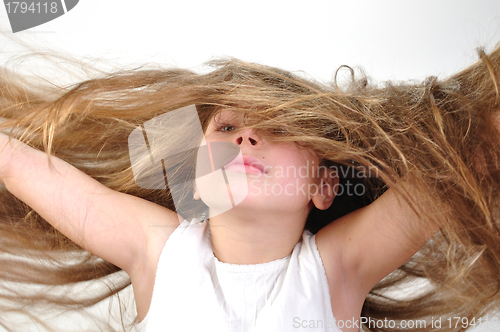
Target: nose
{"points": [[247, 136]]}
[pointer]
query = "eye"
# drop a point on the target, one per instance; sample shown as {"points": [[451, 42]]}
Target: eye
{"points": [[279, 132], [226, 128]]}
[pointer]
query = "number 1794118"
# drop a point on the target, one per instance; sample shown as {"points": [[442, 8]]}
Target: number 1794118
{"points": [[23, 7]]}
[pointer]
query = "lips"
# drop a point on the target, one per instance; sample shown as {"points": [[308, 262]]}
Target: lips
{"points": [[247, 163]]}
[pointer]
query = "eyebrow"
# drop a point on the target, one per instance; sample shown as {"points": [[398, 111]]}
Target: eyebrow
{"points": [[228, 119]]}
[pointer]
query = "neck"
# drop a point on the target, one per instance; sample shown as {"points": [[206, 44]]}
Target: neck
{"points": [[241, 236]]}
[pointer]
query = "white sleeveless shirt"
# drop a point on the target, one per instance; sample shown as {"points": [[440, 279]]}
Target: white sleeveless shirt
{"points": [[195, 292]]}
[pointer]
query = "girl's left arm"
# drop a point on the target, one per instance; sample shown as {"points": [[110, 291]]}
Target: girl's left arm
{"points": [[448, 135], [373, 241]]}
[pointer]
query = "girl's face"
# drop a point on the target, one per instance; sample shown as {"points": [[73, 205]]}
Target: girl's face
{"points": [[265, 176]]}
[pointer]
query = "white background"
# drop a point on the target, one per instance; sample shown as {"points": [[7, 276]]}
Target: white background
{"points": [[389, 40]]}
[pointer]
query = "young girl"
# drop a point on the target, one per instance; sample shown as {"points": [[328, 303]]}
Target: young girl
{"points": [[297, 158]]}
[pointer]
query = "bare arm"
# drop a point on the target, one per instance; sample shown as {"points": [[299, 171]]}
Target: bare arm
{"points": [[111, 225], [373, 241]]}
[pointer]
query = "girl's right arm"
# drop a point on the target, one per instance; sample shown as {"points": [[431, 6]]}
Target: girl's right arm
{"points": [[114, 226]]}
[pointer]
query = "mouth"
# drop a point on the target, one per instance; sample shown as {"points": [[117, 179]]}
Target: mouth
{"points": [[246, 164]]}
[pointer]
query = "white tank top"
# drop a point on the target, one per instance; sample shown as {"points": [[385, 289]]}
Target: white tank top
{"points": [[195, 292]]}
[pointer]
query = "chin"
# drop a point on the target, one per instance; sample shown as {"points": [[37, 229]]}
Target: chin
{"points": [[221, 196]]}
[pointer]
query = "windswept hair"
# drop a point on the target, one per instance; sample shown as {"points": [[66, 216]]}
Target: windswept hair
{"points": [[436, 143]]}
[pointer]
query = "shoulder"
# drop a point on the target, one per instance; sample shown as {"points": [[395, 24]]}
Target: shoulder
{"points": [[167, 245], [361, 248], [143, 275], [175, 235], [346, 295], [158, 234]]}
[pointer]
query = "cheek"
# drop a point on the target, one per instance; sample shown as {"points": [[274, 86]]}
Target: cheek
{"points": [[289, 183], [298, 175]]}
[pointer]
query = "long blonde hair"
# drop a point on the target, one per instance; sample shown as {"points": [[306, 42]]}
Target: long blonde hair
{"points": [[441, 137]]}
